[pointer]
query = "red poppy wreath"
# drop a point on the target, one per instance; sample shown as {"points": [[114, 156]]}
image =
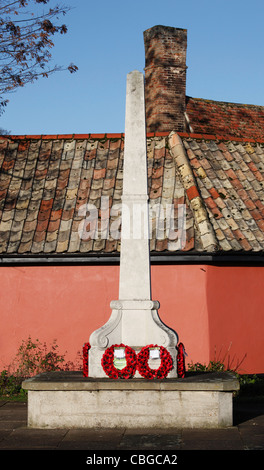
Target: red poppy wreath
{"points": [[108, 363], [164, 368], [86, 348]]}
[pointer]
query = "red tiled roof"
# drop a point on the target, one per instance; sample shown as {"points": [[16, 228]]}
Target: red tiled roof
{"points": [[46, 181], [222, 118]]}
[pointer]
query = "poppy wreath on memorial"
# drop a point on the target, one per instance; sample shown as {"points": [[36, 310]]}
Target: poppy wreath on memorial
{"points": [[86, 348], [108, 362], [181, 361], [165, 367]]}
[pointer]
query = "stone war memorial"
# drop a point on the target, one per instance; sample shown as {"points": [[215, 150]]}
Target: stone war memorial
{"points": [[132, 375]]}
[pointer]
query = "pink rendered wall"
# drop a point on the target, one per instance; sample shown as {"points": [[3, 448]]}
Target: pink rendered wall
{"points": [[181, 291], [47, 303], [208, 307], [236, 320]]}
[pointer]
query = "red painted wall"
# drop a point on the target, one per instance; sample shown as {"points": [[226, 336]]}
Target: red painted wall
{"points": [[181, 291], [47, 303], [212, 309], [236, 321]]}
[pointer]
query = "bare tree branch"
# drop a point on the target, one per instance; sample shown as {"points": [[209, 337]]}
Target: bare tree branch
{"points": [[26, 43]]}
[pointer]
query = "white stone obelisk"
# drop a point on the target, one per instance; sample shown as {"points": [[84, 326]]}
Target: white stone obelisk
{"points": [[134, 320], [134, 283]]}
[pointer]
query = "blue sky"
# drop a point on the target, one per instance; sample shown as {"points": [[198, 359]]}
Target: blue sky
{"points": [[105, 40]]}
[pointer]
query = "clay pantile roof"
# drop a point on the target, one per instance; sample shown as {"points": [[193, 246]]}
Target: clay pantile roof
{"points": [[223, 118], [49, 186]]}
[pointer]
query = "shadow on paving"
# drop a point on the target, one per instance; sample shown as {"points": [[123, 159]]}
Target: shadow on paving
{"points": [[246, 410]]}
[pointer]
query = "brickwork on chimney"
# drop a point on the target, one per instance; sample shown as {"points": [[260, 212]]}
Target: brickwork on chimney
{"points": [[165, 78]]}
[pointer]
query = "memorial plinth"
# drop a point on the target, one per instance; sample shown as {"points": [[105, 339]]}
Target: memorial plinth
{"points": [[68, 400]]}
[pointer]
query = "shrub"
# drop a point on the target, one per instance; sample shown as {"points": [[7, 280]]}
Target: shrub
{"points": [[251, 386], [32, 358], [215, 366]]}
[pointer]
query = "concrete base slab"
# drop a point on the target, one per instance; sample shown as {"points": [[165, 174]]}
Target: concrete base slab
{"points": [[69, 400]]}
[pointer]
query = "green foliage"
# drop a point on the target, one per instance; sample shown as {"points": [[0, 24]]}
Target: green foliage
{"points": [[9, 384], [251, 386], [222, 361], [32, 358], [215, 366]]}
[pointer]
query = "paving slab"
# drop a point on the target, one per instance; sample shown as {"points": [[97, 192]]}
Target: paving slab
{"points": [[251, 426], [87, 439], [32, 439], [12, 416], [151, 440], [212, 439]]}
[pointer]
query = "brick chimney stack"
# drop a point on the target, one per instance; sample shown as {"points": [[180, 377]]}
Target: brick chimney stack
{"points": [[165, 78]]}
